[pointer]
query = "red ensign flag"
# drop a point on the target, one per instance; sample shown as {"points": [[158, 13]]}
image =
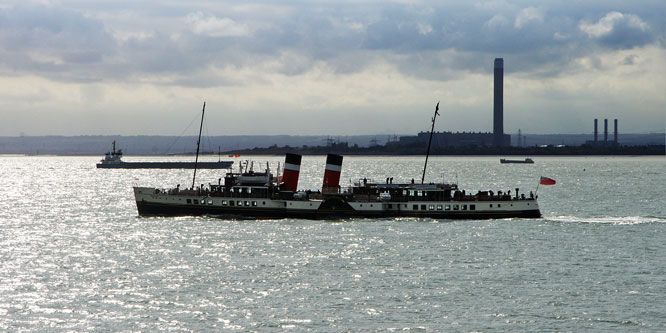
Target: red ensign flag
{"points": [[547, 181]]}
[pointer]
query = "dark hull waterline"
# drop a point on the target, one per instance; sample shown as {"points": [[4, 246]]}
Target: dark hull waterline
{"points": [[156, 209], [166, 165]]}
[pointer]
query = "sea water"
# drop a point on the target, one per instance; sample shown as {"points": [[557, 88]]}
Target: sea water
{"points": [[75, 255]]}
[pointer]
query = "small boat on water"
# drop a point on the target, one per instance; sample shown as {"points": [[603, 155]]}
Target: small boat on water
{"points": [[248, 194], [113, 159], [525, 161]]}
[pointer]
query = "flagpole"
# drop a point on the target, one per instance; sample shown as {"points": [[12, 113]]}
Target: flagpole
{"points": [[537, 189]]}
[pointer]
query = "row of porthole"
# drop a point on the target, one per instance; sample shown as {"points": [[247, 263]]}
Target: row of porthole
{"points": [[444, 207], [415, 207], [239, 203], [225, 202]]}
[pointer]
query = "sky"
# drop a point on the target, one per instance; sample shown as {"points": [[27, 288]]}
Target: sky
{"points": [[333, 67]]}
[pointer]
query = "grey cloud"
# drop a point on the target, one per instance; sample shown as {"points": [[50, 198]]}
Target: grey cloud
{"points": [[619, 30], [625, 36], [630, 59], [52, 41], [429, 40]]}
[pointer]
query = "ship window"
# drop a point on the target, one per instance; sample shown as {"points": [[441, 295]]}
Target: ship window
{"points": [[419, 193], [431, 207], [249, 190], [423, 207], [390, 206], [411, 193], [254, 204], [370, 205], [231, 203], [499, 205], [439, 207], [405, 205], [247, 203], [263, 202], [224, 202], [404, 192], [285, 204], [472, 207], [189, 201], [210, 202], [491, 205], [455, 207], [415, 207], [464, 207], [361, 205], [239, 203]]}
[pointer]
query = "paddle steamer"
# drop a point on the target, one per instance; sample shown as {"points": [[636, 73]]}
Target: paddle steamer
{"points": [[250, 194]]}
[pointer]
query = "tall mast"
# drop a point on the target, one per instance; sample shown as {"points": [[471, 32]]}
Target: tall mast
{"points": [[196, 159], [430, 141]]}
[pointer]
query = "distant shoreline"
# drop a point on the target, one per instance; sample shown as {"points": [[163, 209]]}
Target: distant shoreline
{"points": [[630, 144], [629, 151], [648, 150]]}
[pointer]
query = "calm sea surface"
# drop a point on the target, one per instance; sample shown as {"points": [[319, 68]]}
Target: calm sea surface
{"points": [[75, 256]]}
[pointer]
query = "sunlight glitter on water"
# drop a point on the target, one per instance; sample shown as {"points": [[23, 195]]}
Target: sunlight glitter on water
{"points": [[76, 257]]}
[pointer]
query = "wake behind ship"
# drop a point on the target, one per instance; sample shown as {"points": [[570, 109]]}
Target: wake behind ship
{"points": [[250, 194]]}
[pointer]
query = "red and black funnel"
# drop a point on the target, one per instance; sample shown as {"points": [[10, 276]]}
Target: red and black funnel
{"points": [[332, 172], [292, 167]]}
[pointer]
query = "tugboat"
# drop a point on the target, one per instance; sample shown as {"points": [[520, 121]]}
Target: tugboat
{"points": [[249, 195], [112, 159]]}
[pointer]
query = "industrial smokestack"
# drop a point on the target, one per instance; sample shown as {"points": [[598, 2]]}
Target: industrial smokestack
{"points": [[498, 103], [605, 131], [596, 129], [292, 167], [615, 132], [332, 172]]}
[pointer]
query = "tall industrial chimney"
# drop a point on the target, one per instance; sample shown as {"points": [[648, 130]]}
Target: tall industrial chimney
{"points": [[615, 132], [596, 129], [605, 131], [498, 103]]}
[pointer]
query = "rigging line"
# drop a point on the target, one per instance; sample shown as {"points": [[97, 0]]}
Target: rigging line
{"points": [[210, 147], [196, 117]]}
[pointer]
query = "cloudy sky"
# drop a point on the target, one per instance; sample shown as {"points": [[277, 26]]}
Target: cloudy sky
{"points": [[338, 67]]}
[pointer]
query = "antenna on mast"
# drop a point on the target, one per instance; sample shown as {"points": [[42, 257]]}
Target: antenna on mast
{"points": [[430, 141]]}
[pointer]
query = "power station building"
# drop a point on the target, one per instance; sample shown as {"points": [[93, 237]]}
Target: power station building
{"points": [[598, 143], [497, 138]]}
